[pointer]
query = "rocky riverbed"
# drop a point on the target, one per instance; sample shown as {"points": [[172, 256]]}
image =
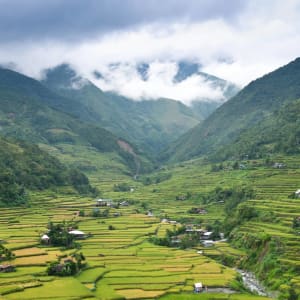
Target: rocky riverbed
{"points": [[252, 283]]}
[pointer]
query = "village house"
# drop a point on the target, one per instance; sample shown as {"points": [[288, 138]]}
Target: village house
{"points": [[77, 234], [297, 193], [7, 268], [103, 202], [124, 203], [198, 287], [207, 243], [150, 214], [278, 165], [207, 235], [45, 239], [191, 229]]}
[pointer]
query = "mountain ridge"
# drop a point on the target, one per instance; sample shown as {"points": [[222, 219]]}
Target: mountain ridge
{"points": [[252, 104], [31, 112], [149, 124]]}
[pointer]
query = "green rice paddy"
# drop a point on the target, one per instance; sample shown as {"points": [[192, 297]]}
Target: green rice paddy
{"points": [[122, 263]]}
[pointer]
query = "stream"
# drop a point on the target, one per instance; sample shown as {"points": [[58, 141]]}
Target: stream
{"points": [[251, 282]]}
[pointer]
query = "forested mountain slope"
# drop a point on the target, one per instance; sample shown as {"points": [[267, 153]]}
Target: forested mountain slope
{"points": [[150, 124], [251, 105], [31, 112], [277, 133], [25, 166]]}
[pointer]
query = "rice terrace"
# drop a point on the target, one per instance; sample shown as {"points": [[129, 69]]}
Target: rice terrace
{"points": [[149, 150], [122, 263]]}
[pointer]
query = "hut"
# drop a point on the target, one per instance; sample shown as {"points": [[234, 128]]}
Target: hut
{"points": [[208, 243], [77, 234], [45, 239], [6, 268], [198, 287], [103, 202]]}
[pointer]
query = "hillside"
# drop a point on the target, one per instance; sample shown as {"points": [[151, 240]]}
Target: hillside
{"points": [[150, 124], [31, 112], [24, 166], [251, 105], [277, 133]]}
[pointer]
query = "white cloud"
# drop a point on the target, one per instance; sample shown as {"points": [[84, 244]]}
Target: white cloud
{"points": [[125, 80], [266, 36]]}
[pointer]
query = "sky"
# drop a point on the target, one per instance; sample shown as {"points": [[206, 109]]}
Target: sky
{"points": [[236, 40]]}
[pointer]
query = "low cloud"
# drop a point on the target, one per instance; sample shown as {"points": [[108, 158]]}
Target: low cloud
{"points": [[124, 79], [257, 38]]}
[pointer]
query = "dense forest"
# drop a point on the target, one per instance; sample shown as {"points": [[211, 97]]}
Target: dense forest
{"points": [[24, 166]]}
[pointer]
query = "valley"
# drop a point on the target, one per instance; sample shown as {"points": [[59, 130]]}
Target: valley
{"points": [[106, 198], [121, 262]]}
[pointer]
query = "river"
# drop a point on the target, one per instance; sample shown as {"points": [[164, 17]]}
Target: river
{"points": [[251, 282]]}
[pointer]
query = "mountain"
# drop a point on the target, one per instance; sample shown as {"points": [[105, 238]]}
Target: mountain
{"points": [[25, 166], [277, 133], [253, 104], [150, 124], [187, 69], [29, 111], [202, 106]]}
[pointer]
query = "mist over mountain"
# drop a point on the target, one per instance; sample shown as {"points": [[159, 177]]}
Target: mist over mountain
{"points": [[179, 80], [31, 112], [256, 102], [150, 124]]}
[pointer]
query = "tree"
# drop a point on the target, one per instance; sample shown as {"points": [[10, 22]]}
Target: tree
{"points": [[59, 234], [5, 254], [296, 223]]}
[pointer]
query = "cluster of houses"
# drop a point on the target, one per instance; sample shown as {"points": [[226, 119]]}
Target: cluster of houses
{"points": [[78, 234], [205, 236]]}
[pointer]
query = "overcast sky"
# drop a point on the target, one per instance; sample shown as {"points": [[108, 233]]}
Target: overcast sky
{"points": [[235, 40]]}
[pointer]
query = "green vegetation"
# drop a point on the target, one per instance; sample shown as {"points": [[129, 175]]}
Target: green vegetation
{"points": [[122, 187], [149, 247], [25, 166], [154, 179], [5, 254], [278, 133], [149, 124], [68, 267], [59, 234], [31, 112], [250, 106]]}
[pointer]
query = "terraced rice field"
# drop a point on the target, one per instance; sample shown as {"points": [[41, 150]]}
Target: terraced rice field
{"points": [[121, 263]]}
